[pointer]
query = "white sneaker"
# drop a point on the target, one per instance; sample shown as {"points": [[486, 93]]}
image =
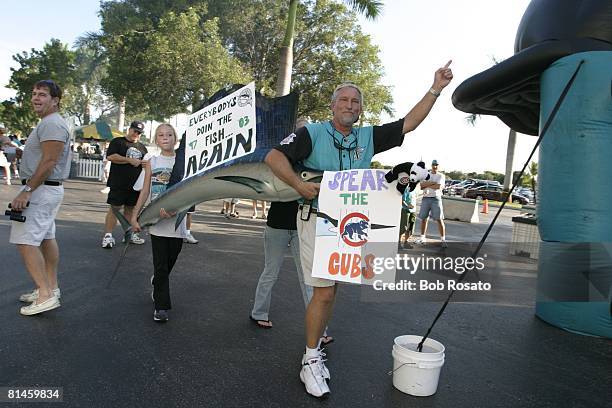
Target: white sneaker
{"points": [[313, 377], [105, 190], [108, 241], [135, 239], [326, 373], [190, 239], [49, 304], [32, 296], [421, 240], [324, 368]]}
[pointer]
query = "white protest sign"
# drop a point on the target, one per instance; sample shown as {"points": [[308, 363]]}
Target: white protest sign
{"points": [[357, 222], [222, 131]]}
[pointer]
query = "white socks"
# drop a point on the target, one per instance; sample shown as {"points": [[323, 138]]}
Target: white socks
{"points": [[312, 352]]}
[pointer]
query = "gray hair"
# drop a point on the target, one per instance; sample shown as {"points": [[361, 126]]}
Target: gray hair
{"points": [[347, 85]]}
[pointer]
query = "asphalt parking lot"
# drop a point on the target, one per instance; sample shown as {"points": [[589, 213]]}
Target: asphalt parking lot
{"points": [[103, 348]]}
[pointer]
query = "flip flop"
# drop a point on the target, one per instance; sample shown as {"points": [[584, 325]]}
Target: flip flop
{"points": [[325, 340], [257, 322]]}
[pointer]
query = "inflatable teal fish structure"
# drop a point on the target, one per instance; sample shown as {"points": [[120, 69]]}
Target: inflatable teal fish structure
{"points": [[548, 31], [559, 40]]}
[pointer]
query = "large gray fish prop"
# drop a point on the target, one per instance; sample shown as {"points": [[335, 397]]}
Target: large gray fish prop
{"points": [[246, 177]]}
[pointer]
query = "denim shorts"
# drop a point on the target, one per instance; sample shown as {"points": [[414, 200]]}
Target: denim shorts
{"points": [[431, 206]]}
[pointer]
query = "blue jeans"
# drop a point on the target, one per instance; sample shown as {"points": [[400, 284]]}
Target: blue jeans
{"points": [[275, 245]]}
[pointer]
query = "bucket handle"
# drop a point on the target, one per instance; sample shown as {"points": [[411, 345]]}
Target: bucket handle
{"points": [[420, 364], [430, 364], [400, 366]]}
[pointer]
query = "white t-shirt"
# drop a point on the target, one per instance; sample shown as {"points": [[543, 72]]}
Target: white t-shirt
{"points": [[161, 169], [436, 178]]}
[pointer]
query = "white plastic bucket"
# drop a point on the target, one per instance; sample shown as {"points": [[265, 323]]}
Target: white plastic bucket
{"points": [[417, 373]]}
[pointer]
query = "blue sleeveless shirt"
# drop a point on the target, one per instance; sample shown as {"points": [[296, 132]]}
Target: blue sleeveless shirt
{"points": [[332, 151]]}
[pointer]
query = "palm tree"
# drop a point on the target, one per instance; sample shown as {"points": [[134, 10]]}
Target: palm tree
{"points": [[91, 62], [369, 8]]}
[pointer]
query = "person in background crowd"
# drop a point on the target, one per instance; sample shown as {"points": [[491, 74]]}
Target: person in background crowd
{"points": [[431, 204], [408, 218], [166, 240], [126, 156], [44, 166]]}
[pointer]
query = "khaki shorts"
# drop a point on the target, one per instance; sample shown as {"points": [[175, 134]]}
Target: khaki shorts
{"points": [[307, 233], [40, 217]]}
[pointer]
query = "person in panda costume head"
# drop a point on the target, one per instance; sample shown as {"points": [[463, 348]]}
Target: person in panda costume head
{"points": [[407, 175]]}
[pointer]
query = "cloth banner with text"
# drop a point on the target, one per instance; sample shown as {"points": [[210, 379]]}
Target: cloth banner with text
{"points": [[222, 131]]}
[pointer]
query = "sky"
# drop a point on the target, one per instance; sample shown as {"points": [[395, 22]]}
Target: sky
{"points": [[415, 38]]}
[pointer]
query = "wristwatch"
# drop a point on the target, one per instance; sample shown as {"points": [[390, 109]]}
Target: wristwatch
{"points": [[27, 189], [434, 92]]}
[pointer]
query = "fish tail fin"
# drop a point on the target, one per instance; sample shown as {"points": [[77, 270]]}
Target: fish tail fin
{"points": [[179, 218], [125, 224]]}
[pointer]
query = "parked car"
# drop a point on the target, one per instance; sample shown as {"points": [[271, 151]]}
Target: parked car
{"points": [[449, 186], [459, 188], [495, 194], [486, 183], [526, 192]]}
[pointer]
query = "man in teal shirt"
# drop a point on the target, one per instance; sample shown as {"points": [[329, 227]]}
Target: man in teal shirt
{"points": [[336, 145]]}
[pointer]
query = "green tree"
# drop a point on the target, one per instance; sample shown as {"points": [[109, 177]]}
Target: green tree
{"points": [[91, 67], [17, 117], [189, 63], [530, 178], [334, 50], [376, 165], [55, 61], [163, 56], [370, 8], [330, 48], [252, 32], [491, 175], [455, 175]]}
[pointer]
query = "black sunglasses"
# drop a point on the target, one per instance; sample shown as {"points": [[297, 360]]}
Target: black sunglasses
{"points": [[348, 148]]}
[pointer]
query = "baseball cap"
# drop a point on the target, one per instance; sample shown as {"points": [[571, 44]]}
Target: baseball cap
{"points": [[137, 125], [434, 163]]}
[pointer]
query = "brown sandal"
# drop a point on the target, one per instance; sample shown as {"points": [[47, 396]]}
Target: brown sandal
{"points": [[325, 340]]}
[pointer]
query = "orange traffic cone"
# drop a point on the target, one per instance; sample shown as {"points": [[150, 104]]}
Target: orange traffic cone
{"points": [[485, 206]]}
